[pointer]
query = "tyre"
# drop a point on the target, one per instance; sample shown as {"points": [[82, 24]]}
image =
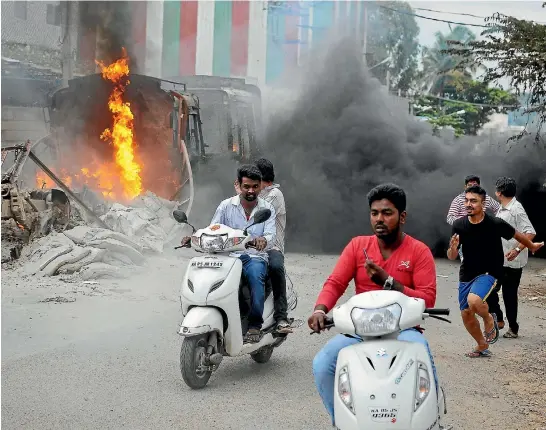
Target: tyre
{"points": [[263, 354], [192, 355]]}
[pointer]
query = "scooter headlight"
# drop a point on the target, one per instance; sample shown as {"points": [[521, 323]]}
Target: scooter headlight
{"points": [[233, 241], [376, 322], [422, 387], [212, 243], [344, 389]]}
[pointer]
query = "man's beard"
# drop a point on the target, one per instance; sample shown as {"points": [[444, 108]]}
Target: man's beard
{"points": [[390, 237], [249, 198]]}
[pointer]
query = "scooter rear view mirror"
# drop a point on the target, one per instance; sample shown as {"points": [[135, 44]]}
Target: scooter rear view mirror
{"points": [[180, 216]]}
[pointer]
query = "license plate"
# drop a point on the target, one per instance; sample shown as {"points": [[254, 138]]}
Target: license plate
{"points": [[207, 264], [382, 415]]}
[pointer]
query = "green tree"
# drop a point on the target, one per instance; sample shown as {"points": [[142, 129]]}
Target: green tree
{"points": [[438, 118], [439, 65], [517, 50], [466, 105], [393, 33]]}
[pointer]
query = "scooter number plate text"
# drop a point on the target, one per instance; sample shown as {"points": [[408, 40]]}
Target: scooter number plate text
{"points": [[207, 264], [382, 415]]}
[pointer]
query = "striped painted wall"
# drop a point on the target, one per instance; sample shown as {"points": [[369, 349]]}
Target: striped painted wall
{"points": [[255, 39]]}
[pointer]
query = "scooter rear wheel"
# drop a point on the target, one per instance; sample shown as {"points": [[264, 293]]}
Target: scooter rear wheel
{"points": [[192, 357]]}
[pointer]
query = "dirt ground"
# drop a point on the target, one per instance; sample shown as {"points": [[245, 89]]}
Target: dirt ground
{"points": [[104, 354]]}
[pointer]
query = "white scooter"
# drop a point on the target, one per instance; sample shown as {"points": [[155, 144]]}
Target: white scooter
{"points": [[215, 303], [384, 383]]}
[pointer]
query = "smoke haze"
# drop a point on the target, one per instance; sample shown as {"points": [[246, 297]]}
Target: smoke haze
{"points": [[112, 21], [343, 135]]}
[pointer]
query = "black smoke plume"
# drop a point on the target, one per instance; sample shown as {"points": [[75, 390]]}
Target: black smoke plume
{"points": [[111, 21], [343, 135]]}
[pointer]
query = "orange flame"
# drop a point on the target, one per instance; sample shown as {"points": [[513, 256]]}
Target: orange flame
{"points": [[120, 176], [121, 135]]}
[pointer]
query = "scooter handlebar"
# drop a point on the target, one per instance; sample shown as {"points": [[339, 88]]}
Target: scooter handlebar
{"points": [[328, 324], [437, 311]]}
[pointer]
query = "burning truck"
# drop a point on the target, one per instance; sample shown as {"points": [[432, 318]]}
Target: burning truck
{"points": [[119, 134], [121, 143]]}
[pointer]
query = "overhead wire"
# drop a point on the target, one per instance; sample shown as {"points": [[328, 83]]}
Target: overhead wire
{"points": [[463, 14], [465, 102], [433, 19], [448, 13]]}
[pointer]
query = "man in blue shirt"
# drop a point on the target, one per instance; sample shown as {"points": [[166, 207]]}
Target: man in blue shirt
{"points": [[238, 212]]}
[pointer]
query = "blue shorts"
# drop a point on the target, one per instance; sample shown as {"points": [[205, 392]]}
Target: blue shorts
{"points": [[481, 286]]}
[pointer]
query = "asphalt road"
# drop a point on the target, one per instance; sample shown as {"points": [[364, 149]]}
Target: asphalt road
{"points": [[110, 360]]}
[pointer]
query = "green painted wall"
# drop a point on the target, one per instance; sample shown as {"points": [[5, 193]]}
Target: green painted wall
{"points": [[221, 62], [171, 38]]}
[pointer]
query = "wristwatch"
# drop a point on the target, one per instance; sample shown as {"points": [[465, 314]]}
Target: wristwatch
{"points": [[518, 249], [389, 283]]}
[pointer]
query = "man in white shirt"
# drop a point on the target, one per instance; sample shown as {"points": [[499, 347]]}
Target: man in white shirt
{"points": [[238, 212], [272, 194], [516, 254]]}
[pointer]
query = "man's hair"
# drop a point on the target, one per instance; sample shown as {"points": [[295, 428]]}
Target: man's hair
{"points": [[506, 186], [391, 192], [476, 189], [472, 178], [248, 171], [266, 169]]}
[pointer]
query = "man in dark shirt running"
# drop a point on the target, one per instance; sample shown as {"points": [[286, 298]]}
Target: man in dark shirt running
{"points": [[479, 234]]}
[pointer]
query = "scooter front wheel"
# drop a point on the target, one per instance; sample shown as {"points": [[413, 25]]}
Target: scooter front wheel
{"points": [[195, 372]]}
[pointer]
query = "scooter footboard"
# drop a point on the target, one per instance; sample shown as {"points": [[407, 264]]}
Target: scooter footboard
{"points": [[384, 378], [202, 319]]}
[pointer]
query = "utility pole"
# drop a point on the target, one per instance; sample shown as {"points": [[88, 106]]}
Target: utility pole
{"points": [[365, 41], [67, 58]]}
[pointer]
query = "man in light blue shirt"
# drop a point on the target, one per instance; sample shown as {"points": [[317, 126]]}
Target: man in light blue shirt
{"points": [[238, 212]]}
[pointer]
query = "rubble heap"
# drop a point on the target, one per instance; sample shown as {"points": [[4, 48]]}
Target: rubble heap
{"points": [[146, 227]]}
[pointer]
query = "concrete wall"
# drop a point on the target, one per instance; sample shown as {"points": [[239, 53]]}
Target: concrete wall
{"points": [[32, 39], [34, 30], [22, 123]]}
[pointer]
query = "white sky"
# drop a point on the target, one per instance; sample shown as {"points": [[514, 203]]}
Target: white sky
{"points": [[530, 10]]}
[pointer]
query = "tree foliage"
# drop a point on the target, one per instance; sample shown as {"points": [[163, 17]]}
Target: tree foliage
{"points": [[438, 65], [518, 50], [395, 35], [466, 106]]}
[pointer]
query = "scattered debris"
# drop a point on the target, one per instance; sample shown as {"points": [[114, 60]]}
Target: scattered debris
{"points": [[53, 237], [58, 299], [148, 222]]}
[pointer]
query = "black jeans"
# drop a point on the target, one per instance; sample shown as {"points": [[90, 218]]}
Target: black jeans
{"points": [[278, 283], [510, 284]]}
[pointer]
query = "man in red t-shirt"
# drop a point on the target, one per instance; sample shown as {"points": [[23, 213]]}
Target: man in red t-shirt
{"points": [[389, 260]]}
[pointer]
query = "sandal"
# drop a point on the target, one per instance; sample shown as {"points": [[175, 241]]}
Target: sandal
{"points": [[283, 326], [253, 335], [479, 354], [492, 336], [510, 335]]}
